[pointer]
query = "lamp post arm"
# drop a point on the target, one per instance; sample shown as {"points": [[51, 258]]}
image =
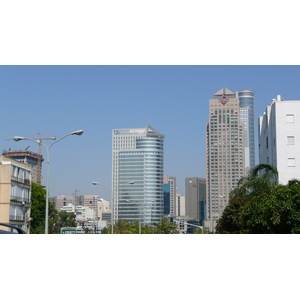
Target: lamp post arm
{"points": [[97, 183], [59, 140]]}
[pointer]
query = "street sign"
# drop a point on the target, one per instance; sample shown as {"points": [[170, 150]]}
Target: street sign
{"points": [[68, 230]]}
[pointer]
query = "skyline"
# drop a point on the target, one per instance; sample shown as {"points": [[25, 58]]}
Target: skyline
{"points": [[56, 100], [135, 33]]}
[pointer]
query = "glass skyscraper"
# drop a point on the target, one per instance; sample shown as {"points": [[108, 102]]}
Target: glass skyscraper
{"points": [[246, 98], [138, 155]]}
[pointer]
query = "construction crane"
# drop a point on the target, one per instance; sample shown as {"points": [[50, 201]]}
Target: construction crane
{"points": [[39, 164]]}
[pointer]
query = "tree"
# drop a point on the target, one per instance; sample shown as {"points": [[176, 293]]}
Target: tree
{"points": [[38, 207], [38, 211], [57, 220], [165, 227], [230, 221], [278, 212], [262, 179]]}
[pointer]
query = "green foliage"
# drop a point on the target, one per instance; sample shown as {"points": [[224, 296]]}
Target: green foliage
{"points": [[57, 220], [260, 205], [164, 227], [230, 220], [126, 227], [38, 211], [38, 207]]}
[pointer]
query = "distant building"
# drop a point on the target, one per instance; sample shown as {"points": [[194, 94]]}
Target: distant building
{"points": [[15, 193], [180, 205], [169, 195], [60, 201], [88, 201], [246, 101], [34, 160], [279, 138], [104, 210], [228, 131], [138, 156], [195, 195]]}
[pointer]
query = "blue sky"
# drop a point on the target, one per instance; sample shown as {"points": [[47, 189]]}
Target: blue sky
{"points": [[56, 100], [192, 41]]}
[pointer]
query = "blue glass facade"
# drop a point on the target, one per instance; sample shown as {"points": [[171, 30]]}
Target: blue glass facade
{"points": [[143, 164]]}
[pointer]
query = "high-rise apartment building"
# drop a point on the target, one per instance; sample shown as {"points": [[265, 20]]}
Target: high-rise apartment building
{"points": [[225, 148], [138, 156], [279, 138]]}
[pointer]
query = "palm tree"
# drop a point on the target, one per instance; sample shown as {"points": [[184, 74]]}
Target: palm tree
{"points": [[262, 178], [165, 227]]}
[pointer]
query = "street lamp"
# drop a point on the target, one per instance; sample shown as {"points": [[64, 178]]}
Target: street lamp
{"points": [[19, 138], [112, 201], [140, 214]]}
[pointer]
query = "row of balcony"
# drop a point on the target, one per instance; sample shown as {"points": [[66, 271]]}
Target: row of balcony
{"points": [[19, 199], [21, 180]]}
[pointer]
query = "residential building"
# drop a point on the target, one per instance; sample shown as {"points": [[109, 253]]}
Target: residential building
{"points": [[88, 201], [225, 152], [279, 138], [195, 195], [104, 210], [138, 156], [169, 195], [15, 193], [60, 201], [34, 160]]}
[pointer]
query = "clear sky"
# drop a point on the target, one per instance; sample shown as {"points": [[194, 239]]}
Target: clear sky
{"points": [[56, 100], [199, 47]]}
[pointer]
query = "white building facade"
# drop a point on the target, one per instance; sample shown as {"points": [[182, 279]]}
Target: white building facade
{"points": [[138, 156], [279, 138]]}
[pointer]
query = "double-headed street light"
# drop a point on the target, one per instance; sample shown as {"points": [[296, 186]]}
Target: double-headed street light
{"points": [[19, 138], [112, 200]]}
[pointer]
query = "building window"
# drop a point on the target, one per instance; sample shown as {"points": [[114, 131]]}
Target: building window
{"points": [[291, 162], [291, 140], [290, 118]]}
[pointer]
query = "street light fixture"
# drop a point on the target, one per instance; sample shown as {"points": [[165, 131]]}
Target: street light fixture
{"points": [[112, 201], [20, 138]]}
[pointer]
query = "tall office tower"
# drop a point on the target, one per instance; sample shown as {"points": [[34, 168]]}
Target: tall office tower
{"points": [[246, 98], [195, 195], [170, 195], [225, 152], [138, 155], [279, 137]]}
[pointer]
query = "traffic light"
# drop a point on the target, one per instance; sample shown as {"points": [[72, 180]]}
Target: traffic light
{"points": [[171, 220]]}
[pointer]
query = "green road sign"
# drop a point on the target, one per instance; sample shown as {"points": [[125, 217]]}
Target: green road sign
{"points": [[68, 230]]}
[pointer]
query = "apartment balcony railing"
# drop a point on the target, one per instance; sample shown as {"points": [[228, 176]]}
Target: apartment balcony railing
{"points": [[19, 199], [16, 218], [21, 180]]}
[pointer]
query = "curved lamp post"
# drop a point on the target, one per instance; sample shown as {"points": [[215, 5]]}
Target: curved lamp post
{"points": [[19, 138], [112, 201]]}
